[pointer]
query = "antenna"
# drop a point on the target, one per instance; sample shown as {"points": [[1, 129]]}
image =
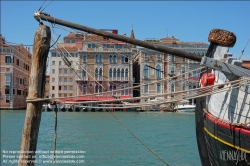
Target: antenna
{"points": [[243, 49]]}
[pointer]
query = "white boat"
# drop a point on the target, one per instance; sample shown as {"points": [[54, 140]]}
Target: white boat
{"points": [[184, 107]]}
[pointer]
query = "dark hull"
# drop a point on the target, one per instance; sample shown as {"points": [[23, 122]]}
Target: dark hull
{"points": [[226, 144]]}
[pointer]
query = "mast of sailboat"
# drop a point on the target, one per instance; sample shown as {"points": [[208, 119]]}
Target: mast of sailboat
{"points": [[46, 17]]}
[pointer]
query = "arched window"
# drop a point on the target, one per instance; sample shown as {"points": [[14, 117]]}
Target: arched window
{"points": [[126, 90], [114, 72], [114, 88], [145, 71], [110, 72], [114, 58], [158, 71], [100, 72], [96, 58], [96, 72], [100, 89], [118, 72], [126, 73], [100, 58], [110, 58], [122, 91], [122, 73], [158, 87]]}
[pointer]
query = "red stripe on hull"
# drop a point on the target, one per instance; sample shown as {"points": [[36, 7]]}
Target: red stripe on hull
{"points": [[236, 128]]}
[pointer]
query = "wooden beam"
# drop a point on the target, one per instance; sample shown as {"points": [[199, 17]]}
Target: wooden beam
{"points": [[36, 90]]}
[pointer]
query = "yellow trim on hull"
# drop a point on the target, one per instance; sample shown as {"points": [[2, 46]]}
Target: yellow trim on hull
{"points": [[224, 142]]}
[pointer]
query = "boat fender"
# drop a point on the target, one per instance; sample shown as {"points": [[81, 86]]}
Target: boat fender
{"points": [[207, 79]]}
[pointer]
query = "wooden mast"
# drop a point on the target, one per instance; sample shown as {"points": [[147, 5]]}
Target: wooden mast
{"points": [[42, 16], [36, 90]]}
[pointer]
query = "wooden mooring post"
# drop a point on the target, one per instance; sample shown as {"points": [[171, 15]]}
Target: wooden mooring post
{"points": [[41, 48]]}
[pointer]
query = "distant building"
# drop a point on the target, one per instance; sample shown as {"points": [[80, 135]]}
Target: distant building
{"points": [[156, 66], [101, 64], [246, 63], [15, 71]]}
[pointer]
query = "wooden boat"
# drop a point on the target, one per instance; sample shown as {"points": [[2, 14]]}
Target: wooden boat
{"points": [[222, 119]]}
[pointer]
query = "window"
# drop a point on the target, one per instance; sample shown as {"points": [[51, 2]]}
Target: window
{"points": [[114, 58], [110, 72], [53, 79], [13, 91], [118, 72], [60, 79], [53, 62], [83, 73], [96, 58], [145, 88], [126, 73], [53, 54], [100, 72], [60, 88], [73, 41], [53, 71], [158, 71], [20, 80], [70, 87], [146, 55], [84, 58], [122, 59], [96, 72], [172, 58], [114, 88], [122, 73], [65, 87], [65, 79], [19, 92], [114, 72], [71, 80], [7, 59], [65, 71], [60, 63], [172, 70], [145, 71], [84, 89], [183, 86], [53, 95], [172, 87], [7, 91], [67, 41], [158, 87], [53, 87], [7, 78], [100, 58], [110, 58], [65, 95], [60, 71], [17, 62], [183, 69]]}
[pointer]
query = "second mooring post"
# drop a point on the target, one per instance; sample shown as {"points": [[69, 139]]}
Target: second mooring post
{"points": [[36, 90]]}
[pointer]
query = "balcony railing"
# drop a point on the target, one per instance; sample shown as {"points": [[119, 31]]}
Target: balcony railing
{"points": [[65, 74], [63, 66], [119, 78], [65, 91]]}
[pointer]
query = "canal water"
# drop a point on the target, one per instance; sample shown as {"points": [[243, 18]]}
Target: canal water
{"points": [[97, 138]]}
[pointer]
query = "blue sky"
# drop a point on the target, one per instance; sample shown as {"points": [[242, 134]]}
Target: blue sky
{"points": [[187, 21]]}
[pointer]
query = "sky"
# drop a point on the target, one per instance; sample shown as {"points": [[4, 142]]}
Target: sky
{"points": [[189, 21]]}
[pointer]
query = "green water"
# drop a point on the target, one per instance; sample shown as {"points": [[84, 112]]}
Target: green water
{"points": [[170, 135]]}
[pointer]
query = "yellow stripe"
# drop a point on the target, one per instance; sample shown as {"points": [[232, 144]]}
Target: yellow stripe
{"points": [[224, 142]]}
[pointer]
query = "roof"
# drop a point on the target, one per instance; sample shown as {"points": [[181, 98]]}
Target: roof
{"points": [[246, 63], [64, 49]]}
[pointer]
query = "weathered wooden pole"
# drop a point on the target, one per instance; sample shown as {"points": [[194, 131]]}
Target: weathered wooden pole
{"points": [[36, 90]]}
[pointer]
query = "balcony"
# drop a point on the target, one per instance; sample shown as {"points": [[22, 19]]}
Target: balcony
{"points": [[65, 74], [62, 66], [119, 78], [7, 84]]}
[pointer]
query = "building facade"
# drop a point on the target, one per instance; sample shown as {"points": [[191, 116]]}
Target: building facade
{"points": [[15, 72], [157, 66], [98, 65]]}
